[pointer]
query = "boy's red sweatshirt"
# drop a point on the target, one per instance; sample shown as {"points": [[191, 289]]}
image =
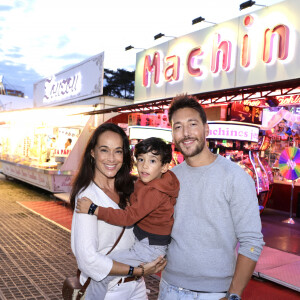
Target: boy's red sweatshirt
{"points": [[151, 206]]}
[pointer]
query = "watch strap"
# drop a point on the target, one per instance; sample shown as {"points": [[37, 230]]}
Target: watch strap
{"points": [[92, 209], [231, 296]]}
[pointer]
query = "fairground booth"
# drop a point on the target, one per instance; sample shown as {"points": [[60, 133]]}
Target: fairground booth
{"points": [[43, 145], [246, 73]]}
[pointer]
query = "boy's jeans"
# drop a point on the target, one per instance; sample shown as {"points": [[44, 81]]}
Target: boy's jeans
{"points": [[171, 292]]}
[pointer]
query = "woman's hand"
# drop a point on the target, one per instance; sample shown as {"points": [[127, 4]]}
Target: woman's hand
{"points": [[83, 205], [155, 266]]}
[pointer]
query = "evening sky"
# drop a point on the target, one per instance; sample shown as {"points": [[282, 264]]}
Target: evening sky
{"points": [[40, 38]]}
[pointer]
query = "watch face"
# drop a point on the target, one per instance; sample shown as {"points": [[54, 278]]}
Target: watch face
{"points": [[234, 297]]}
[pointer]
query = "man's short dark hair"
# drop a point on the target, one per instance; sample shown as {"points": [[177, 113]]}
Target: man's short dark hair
{"points": [[185, 101], [156, 146]]}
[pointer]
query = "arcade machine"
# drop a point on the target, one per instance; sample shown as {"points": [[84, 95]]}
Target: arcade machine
{"points": [[262, 172], [246, 155]]}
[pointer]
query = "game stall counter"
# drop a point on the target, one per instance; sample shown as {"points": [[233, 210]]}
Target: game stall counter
{"points": [[33, 145], [43, 145]]}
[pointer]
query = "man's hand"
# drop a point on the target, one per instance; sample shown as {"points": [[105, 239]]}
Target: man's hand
{"points": [[155, 266], [83, 205]]}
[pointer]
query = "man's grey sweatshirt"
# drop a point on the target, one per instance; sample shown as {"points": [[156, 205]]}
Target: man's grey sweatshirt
{"points": [[217, 207]]}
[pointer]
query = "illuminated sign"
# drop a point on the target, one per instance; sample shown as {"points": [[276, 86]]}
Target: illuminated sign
{"points": [[233, 131], [60, 89], [150, 67], [144, 132], [81, 81], [252, 49], [221, 55], [288, 100], [253, 102], [283, 101], [152, 120], [282, 32]]}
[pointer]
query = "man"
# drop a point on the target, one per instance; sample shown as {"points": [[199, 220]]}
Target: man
{"points": [[216, 208], [51, 148], [68, 144]]}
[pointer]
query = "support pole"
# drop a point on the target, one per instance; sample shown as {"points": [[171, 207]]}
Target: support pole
{"points": [[290, 219]]}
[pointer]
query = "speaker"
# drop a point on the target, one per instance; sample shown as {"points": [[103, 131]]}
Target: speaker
{"points": [[272, 101]]}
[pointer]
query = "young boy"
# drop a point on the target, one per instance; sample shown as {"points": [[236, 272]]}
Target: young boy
{"points": [[151, 207]]}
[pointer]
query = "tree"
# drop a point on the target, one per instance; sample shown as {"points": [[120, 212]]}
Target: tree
{"points": [[119, 83]]}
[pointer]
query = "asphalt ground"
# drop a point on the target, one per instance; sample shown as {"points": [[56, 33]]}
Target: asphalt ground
{"points": [[35, 254]]}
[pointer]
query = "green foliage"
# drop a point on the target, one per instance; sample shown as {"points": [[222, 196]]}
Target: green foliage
{"points": [[119, 83]]}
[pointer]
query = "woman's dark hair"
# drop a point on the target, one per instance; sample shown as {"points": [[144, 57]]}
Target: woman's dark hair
{"points": [[86, 173], [156, 146], [185, 101]]}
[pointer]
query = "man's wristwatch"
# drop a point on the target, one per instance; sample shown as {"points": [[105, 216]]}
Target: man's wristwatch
{"points": [[232, 296]]}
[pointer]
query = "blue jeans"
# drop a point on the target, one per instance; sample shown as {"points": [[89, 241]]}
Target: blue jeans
{"points": [[171, 292]]}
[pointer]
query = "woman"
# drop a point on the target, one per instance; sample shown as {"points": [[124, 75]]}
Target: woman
{"points": [[104, 176]]}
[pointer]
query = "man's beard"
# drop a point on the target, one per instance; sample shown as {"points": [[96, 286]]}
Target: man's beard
{"points": [[198, 149]]}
